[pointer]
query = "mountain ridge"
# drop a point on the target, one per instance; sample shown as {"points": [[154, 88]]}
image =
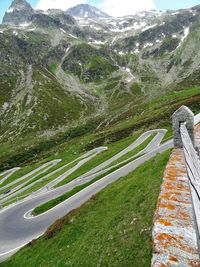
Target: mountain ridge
{"points": [[20, 11]]}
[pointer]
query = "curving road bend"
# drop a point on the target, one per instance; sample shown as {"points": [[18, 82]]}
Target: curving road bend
{"points": [[7, 174], [18, 227], [26, 184]]}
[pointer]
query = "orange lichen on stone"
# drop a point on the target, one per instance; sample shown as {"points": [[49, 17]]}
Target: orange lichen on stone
{"points": [[172, 258], [176, 196], [168, 206], [170, 177], [180, 216], [164, 222], [176, 186], [184, 215], [167, 240], [163, 265], [194, 263]]}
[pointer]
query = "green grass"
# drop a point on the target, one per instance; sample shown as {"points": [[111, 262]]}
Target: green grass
{"points": [[113, 149], [150, 114], [97, 215], [46, 206], [24, 171], [34, 177], [53, 68], [66, 158], [98, 68], [39, 184], [134, 151], [7, 83], [112, 229], [144, 115]]}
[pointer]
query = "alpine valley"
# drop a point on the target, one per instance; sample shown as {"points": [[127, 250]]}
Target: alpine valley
{"points": [[86, 103]]}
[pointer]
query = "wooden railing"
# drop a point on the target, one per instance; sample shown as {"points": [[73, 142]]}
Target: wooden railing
{"points": [[193, 169]]}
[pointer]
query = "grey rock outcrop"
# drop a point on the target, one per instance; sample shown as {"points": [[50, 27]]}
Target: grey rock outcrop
{"points": [[62, 16]]}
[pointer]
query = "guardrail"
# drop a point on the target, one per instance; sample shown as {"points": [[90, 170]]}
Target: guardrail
{"points": [[183, 127], [193, 171]]}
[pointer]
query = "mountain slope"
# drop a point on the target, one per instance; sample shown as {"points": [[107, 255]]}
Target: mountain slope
{"points": [[57, 71], [33, 98]]}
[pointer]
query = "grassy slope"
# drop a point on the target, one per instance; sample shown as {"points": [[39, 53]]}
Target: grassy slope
{"points": [[154, 114], [147, 114], [67, 156], [112, 229], [112, 150], [60, 199]]}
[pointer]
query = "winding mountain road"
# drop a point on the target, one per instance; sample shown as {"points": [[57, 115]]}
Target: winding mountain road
{"points": [[18, 227]]}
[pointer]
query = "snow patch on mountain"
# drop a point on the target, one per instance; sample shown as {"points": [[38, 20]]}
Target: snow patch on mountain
{"points": [[25, 24], [97, 42], [62, 30], [149, 27], [10, 10], [148, 45], [136, 26], [136, 51], [96, 28], [186, 32], [71, 35], [113, 40], [15, 33]]}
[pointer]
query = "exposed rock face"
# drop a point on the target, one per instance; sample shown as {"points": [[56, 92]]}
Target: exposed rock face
{"points": [[87, 11], [44, 21], [19, 12], [62, 16]]}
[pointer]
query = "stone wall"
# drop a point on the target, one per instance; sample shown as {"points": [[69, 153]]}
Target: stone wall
{"points": [[174, 229]]}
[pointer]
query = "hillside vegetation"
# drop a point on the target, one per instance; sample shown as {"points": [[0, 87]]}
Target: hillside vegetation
{"points": [[122, 213], [112, 229]]}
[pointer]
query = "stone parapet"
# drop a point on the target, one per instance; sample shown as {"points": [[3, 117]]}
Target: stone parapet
{"points": [[174, 229]]}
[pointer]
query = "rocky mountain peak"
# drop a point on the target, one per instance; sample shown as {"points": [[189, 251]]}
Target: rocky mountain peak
{"points": [[87, 11], [19, 12], [19, 3]]}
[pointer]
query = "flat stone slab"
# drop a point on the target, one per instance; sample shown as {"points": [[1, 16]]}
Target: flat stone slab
{"points": [[174, 230]]}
